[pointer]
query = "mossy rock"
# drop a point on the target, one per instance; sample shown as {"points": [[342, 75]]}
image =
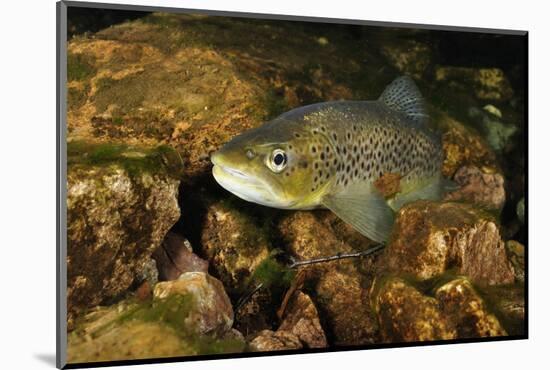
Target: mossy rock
{"points": [[121, 201], [182, 319]]}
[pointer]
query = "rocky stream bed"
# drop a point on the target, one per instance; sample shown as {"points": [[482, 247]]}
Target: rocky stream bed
{"points": [[160, 257]]}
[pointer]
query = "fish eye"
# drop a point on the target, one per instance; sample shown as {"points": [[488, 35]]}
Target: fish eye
{"points": [[278, 160]]}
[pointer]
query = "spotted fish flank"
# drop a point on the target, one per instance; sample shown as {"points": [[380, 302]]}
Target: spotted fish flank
{"points": [[329, 155]]}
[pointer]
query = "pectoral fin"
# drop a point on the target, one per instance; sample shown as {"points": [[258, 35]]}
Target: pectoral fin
{"points": [[364, 208]]}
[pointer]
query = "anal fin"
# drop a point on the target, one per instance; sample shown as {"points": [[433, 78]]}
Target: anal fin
{"points": [[364, 208]]}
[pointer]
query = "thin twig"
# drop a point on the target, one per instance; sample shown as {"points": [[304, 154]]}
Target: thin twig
{"points": [[247, 297], [338, 256]]}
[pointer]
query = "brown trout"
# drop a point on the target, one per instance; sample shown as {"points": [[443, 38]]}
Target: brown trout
{"points": [[330, 155]]}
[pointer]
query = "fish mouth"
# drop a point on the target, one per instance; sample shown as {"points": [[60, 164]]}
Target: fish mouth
{"points": [[246, 186], [234, 172]]}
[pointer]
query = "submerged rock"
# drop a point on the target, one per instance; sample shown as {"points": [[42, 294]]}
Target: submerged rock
{"points": [[487, 83], [234, 243], [516, 254], [118, 211], [406, 315], [196, 82], [452, 310], [485, 189], [339, 289], [410, 57], [498, 134], [138, 340], [462, 306], [188, 316], [302, 319], [462, 146], [175, 257], [211, 310], [430, 238], [269, 340], [208, 79]]}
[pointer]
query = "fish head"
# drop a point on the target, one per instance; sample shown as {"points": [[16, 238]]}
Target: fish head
{"points": [[268, 165]]}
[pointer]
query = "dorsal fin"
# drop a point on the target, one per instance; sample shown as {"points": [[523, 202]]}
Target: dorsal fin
{"points": [[403, 96]]}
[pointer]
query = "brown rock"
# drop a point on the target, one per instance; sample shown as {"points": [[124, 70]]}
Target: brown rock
{"points": [[206, 80], [406, 315], [430, 238], [211, 310], [302, 320], [233, 242], [516, 254], [340, 288], [268, 340], [115, 220], [174, 258], [487, 83], [481, 188], [462, 305], [462, 146], [508, 303], [410, 57]]}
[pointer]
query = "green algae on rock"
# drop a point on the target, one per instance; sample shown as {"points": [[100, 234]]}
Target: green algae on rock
{"points": [[211, 310], [188, 316], [121, 201]]}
